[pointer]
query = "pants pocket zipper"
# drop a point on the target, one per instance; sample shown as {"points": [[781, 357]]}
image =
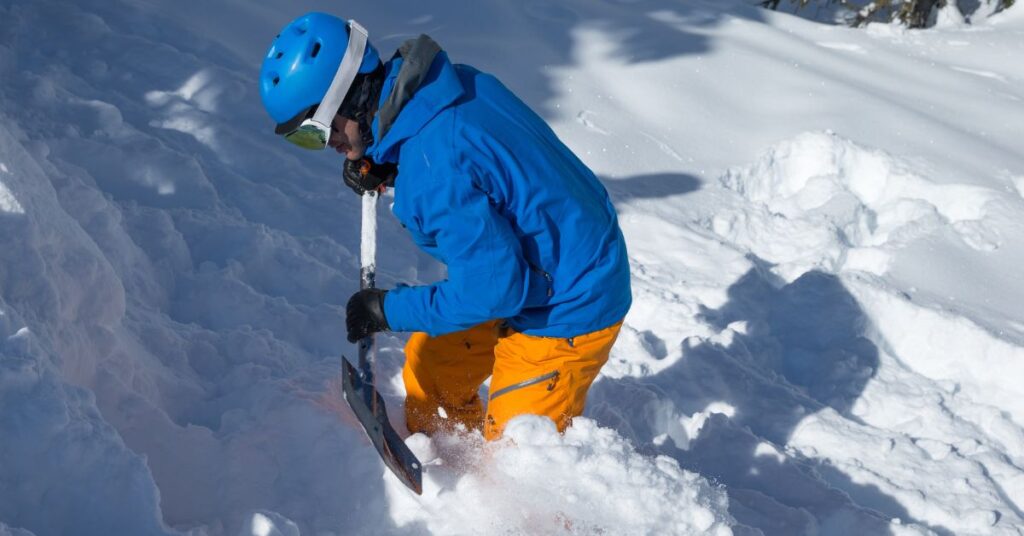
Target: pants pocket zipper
{"points": [[553, 376]]}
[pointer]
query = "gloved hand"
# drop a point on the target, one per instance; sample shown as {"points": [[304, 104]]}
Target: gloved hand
{"points": [[365, 175], [364, 313]]}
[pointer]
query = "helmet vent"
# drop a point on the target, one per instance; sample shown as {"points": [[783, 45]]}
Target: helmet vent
{"points": [[279, 55], [277, 79], [316, 50]]}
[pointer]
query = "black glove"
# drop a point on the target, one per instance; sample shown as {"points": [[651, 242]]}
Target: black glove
{"points": [[364, 313], [365, 175]]}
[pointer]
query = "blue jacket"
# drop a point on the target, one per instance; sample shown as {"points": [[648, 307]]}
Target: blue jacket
{"points": [[528, 233]]}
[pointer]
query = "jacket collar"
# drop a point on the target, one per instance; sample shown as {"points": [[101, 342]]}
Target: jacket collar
{"points": [[438, 89]]}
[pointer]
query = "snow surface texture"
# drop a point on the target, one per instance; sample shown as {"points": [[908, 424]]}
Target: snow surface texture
{"points": [[825, 229], [536, 481]]}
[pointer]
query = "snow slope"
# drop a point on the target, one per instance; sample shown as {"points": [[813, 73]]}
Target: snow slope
{"points": [[824, 226]]}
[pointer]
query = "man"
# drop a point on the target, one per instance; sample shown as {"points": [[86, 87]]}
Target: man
{"points": [[538, 278]]}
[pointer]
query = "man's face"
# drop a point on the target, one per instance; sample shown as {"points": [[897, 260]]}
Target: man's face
{"points": [[345, 138]]}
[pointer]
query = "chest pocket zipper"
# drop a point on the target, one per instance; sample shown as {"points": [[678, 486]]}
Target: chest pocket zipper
{"points": [[553, 376]]}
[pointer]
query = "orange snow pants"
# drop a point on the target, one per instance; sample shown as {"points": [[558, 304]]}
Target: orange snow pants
{"points": [[530, 375]]}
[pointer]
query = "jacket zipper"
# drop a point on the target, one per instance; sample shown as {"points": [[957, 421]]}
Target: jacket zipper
{"points": [[553, 376], [547, 277]]}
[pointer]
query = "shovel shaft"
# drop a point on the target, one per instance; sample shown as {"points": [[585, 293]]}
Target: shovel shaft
{"points": [[367, 278], [358, 385]]}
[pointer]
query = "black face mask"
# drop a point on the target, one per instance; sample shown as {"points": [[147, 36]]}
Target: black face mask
{"points": [[365, 175]]}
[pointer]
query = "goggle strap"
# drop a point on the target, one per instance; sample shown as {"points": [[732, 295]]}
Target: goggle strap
{"points": [[357, 37]]}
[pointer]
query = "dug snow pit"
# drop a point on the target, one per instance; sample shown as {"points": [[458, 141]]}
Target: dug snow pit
{"points": [[536, 481]]}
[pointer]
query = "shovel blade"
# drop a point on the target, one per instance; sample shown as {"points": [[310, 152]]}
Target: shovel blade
{"points": [[368, 406]]}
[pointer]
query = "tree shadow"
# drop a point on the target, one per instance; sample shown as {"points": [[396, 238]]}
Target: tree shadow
{"points": [[650, 186], [796, 349]]}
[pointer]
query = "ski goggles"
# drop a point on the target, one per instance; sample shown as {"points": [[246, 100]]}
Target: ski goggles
{"points": [[311, 129]]}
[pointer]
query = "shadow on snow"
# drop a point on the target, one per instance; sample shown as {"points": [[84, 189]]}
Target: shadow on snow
{"points": [[803, 350], [654, 185]]}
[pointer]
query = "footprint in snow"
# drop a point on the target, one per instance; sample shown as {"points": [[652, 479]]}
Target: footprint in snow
{"points": [[654, 344]]}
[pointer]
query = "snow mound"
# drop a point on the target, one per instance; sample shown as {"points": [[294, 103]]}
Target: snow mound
{"points": [[536, 481], [822, 201]]}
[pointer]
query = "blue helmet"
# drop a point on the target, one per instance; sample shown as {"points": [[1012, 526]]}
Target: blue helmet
{"points": [[302, 62]]}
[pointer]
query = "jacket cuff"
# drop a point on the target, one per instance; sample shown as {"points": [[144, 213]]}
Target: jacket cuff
{"points": [[395, 313]]}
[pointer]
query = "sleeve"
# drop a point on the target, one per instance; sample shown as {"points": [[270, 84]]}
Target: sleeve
{"points": [[488, 277]]}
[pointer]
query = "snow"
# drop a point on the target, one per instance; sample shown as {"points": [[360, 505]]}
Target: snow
{"points": [[819, 197], [824, 229], [8, 203], [8, 531], [271, 524], [536, 481], [67, 468]]}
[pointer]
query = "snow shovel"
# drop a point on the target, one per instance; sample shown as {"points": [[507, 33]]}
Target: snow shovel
{"points": [[358, 385]]}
